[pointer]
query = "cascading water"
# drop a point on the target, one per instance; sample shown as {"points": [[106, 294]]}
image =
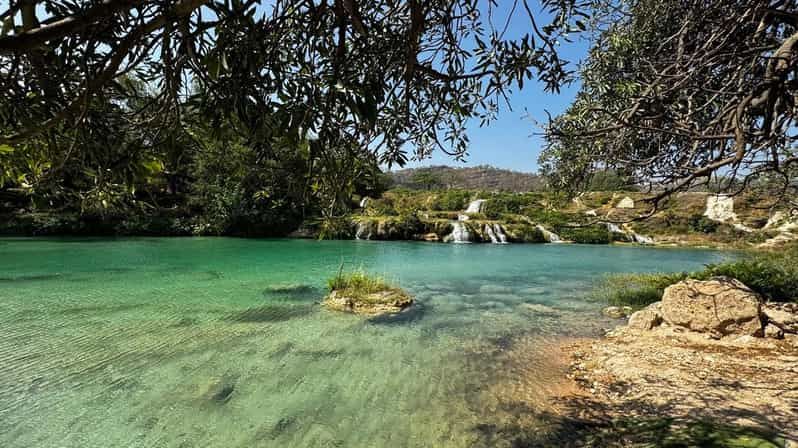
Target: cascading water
{"points": [[497, 228], [364, 202], [629, 235], [365, 230], [491, 234], [460, 233], [549, 236], [475, 206]]}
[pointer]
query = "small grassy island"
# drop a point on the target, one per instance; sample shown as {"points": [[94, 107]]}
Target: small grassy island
{"points": [[361, 293]]}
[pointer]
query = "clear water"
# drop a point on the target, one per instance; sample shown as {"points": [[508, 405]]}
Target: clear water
{"points": [[216, 342]]}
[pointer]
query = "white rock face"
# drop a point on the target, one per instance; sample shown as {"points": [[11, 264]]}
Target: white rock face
{"points": [[626, 202], [720, 208], [475, 206]]}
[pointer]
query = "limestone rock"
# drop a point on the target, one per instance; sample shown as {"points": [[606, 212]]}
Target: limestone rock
{"points": [[430, 237], [647, 318], [773, 332], [723, 305], [782, 315], [617, 312], [720, 208], [382, 302], [626, 202]]}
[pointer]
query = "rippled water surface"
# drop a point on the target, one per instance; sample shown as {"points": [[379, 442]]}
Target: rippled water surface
{"points": [[216, 342]]}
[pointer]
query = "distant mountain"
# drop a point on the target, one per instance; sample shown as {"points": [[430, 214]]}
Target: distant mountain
{"points": [[481, 177]]}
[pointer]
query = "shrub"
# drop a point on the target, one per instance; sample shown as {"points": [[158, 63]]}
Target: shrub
{"points": [[585, 235], [774, 275], [336, 229], [451, 200], [702, 224], [635, 290]]}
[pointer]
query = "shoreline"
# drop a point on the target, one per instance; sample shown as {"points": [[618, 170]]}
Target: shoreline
{"points": [[636, 387]]}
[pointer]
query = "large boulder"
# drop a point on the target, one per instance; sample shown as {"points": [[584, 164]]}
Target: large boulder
{"points": [[782, 315], [647, 318], [721, 306]]}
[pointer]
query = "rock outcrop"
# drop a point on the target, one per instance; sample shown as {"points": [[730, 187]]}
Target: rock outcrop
{"points": [[382, 302], [782, 315], [647, 318], [720, 306], [626, 202]]}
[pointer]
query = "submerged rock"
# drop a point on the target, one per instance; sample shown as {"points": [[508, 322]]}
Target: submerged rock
{"points": [[722, 305], [382, 302], [219, 390], [617, 312]]}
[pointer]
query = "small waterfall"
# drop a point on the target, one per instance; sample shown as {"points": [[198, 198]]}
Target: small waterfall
{"points": [[364, 202], [365, 230], [548, 235], [491, 234], [629, 235], [475, 206], [459, 235], [497, 228]]}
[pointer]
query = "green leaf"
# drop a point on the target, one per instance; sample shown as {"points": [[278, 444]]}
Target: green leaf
{"points": [[6, 149]]}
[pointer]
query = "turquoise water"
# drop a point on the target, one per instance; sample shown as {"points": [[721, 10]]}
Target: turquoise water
{"points": [[216, 342]]}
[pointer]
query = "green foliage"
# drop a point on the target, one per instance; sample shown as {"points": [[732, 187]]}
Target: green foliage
{"points": [[452, 200], [774, 275], [362, 286], [525, 233], [336, 229], [585, 235], [635, 290], [702, 224], [610, 180]]}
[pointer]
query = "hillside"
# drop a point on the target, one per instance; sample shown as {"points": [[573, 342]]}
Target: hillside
{"points": [[481, 177]]}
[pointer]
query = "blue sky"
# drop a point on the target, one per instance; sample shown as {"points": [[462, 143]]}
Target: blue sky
{"points": [[508, 142]]}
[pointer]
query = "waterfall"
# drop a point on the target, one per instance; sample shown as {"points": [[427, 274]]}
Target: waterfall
{"points": [[364, 202], [497, 228], [629, 235], [475, 206], [459, 234], [365, 230], [491, 234], [549, 236]]}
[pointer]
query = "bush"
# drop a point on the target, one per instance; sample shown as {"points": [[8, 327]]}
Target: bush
{"points": [[702, 224], [585, 235], [774, 275], [635, 290], [451, 200], [336, 229]]}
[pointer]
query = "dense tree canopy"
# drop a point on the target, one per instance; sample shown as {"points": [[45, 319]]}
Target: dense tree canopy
{"points": [[680, 92], [380, 73], [110, 103]]}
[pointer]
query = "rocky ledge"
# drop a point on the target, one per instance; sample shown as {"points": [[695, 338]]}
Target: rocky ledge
{"points": [[710, 350], [718, 308], [392, 300]]}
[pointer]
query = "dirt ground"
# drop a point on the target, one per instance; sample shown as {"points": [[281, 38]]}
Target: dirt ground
{"points": [[665, 375]]}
